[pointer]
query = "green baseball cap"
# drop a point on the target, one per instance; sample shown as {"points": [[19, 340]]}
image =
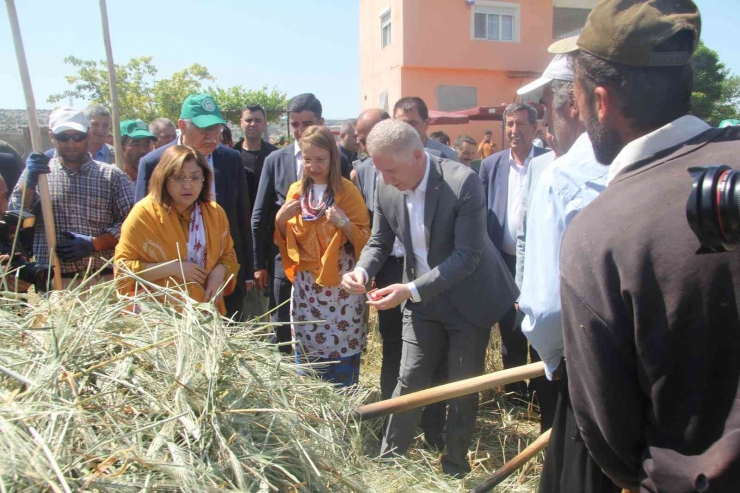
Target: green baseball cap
{"points": [[136, 129], [629, 31], [202, 110]]}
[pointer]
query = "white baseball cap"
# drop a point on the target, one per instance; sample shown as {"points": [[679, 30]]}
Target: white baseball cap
{"points": [[559, 69], [62, 119]]}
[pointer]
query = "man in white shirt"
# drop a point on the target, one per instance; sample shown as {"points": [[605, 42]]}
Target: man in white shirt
{"points": [[503, 177], [455, 285]]}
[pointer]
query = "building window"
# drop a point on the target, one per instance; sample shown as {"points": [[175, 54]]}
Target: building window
{"points": [[496, 21], [383, 101], [567, 22], [453, 98], [385, 28]]}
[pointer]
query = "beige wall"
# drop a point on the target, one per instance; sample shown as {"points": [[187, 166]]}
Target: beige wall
{"points": [[380, 69], [438, 34], [494, 88], [574, 4]]}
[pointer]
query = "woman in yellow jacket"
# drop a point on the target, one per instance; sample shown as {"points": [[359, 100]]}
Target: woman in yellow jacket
{"points": [[320, 231], [178, 221]]}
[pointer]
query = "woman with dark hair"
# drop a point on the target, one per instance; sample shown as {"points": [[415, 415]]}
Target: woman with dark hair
{"points": [[177, 235], [226, 138], [320, 231]]}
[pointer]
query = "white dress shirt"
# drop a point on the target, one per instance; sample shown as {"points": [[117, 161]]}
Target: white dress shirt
{"points": [[685, 128], [415, 200], [298, 161], [517, 175]]}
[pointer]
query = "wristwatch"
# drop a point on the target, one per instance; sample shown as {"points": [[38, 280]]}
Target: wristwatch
{"points": [[342, 223]]}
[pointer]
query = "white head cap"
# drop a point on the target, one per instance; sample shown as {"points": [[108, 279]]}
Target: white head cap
{"points": [[559, 69], [62, 119]]}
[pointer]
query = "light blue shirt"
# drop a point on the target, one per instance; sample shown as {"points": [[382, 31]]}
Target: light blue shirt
{"points": [[565, 187]]}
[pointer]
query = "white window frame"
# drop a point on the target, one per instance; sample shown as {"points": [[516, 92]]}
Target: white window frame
{"points": [[496, 8], [383, 25], [383, 101]]}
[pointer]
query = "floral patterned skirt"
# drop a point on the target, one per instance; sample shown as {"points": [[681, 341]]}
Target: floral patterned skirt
{"points": [[327, 320]]}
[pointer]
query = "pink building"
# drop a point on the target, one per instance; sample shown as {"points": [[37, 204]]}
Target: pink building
{"points": [[458, 54]]}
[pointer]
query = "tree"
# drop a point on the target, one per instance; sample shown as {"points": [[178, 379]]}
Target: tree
{"points": [[232, 100], [142, 95], [716, 91]]}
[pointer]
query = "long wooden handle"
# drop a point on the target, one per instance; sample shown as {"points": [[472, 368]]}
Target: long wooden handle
{"points": [[514, 464], [449, 391], [116, 124], [36, 144]]}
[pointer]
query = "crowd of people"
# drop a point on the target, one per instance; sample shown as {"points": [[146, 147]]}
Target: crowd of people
{"points": [[576, 247]]}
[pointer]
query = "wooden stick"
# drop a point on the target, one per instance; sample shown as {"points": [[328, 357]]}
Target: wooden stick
{"points": [[514, 464], [116, 124], [449, 391], [36, 144]]}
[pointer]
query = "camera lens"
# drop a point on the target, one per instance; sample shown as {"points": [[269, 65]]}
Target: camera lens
{"points": [[713, 209]]}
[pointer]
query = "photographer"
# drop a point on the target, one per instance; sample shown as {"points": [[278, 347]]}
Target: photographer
{"points": [[652, 333], [8, 281]]}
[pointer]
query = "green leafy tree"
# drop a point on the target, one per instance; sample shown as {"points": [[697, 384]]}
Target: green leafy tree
{"points": [[716, 91], [232, 100], [142, 95]]}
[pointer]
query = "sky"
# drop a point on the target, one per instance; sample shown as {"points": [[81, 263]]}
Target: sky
{"points": [[295, 45]]}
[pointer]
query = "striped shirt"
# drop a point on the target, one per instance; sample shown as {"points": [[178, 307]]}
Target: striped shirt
{"points": [[91, 201]]}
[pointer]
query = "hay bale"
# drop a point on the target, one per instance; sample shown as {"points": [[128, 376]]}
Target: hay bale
{"points": [[171, 398]]}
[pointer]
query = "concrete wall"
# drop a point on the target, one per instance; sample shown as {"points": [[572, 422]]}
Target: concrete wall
{"points": [[438, 33], [380, 68]]}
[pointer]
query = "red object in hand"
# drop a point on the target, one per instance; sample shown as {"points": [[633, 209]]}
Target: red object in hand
{"points": [[373, 295], [296, 196]]}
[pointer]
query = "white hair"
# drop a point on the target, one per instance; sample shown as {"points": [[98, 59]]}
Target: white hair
{"points": [[393, 138]]}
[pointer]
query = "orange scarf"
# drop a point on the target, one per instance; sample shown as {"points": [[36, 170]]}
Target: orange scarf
{"points": [[314, 245], [153, 233]]}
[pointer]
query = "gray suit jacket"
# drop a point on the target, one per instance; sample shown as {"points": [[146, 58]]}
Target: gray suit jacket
{"points": [[536, 167], [278, 174], [367, 179], [466, 269], [494, 175]]}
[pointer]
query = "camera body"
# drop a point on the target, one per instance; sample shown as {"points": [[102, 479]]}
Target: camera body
{"points": [[713, 208], [12, 223]]}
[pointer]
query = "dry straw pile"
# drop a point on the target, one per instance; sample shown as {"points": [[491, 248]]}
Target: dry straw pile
{"points": [[96, 398]]}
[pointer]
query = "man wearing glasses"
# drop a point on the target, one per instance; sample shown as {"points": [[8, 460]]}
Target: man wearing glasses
{"points": [[136, 141], [90, 199], [200, 128]]}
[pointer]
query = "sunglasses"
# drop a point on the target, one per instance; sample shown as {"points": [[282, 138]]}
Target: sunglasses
{"points": [[78, 137]]}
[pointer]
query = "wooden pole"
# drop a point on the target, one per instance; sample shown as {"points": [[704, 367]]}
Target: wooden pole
{"points": [[36, 144], [514, 464], [449, 391], [113, 87]]}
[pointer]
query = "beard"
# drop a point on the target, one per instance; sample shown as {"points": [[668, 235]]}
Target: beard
{"points": [[607, 143], [72, 156]]}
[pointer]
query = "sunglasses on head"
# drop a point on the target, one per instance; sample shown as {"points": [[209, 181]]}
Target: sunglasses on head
{"points": [[78, 137]]}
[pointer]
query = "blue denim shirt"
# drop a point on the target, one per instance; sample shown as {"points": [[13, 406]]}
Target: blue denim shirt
{"points": [[565, 187]]}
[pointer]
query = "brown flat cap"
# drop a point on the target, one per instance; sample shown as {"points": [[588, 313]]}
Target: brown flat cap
{"points": [[629, 31]]}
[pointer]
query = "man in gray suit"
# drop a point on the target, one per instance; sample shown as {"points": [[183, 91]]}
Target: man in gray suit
{"points": [[282, 168], [454, 288]]}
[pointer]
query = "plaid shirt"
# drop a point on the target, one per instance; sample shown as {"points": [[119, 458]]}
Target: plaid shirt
{"points": [[91, 201], [447, 152]]}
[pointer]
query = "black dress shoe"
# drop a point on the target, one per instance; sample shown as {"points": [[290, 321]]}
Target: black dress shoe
{"points": [[434, 440], [457, 470]]}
